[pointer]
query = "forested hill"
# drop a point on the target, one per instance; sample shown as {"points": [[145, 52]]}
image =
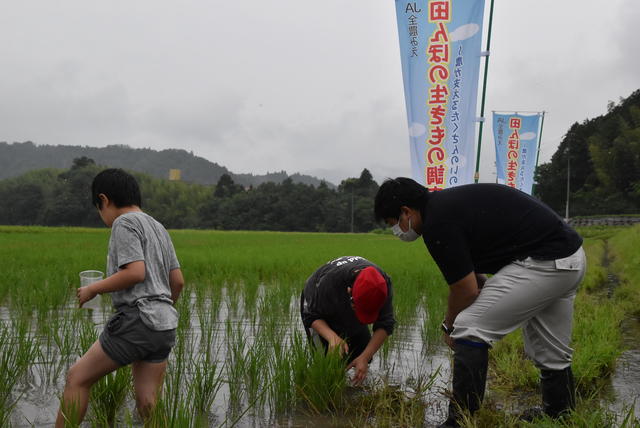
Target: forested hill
{"points": [[18, 158], [602, 156], [62, 197]]}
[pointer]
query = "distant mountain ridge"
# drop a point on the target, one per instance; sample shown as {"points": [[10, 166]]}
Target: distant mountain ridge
{"points": [[18, 158]]}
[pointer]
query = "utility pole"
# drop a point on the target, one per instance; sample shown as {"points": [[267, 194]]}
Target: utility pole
{"points": [[352, 209], [533, 187], [566, 209]]}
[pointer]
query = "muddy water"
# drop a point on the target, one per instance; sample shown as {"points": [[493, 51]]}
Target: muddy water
{"points": [[38, 398], [625, 382]]}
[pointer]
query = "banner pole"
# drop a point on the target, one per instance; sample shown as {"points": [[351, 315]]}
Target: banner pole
{"points": [[540, 139], [484, 93], [533, 187]]}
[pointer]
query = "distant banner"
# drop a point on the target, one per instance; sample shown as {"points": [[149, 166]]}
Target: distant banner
{"points": [[516, 138], [440, 52]]}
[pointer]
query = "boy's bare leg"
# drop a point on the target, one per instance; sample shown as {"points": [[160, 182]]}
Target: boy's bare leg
{"points": [[147, 382], [93, 365]]}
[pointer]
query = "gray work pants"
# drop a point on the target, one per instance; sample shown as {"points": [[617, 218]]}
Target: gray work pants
{"points": [[536, 295]]}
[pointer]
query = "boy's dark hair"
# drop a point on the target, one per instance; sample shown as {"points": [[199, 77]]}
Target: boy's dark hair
{"points": [[117, 185], [397, 192]]}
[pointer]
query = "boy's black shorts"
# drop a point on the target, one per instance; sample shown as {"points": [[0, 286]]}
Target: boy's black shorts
{"points": [[126, 339]]}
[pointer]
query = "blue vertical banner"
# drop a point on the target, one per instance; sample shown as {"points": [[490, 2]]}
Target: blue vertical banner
{"points": [[440, 53], [516, 138]]}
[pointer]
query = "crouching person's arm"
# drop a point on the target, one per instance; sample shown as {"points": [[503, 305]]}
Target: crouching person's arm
{"points": [[330, 336], [361, 362], [382, 329]]}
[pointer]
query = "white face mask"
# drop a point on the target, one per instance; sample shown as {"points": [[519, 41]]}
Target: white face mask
{"points": [[408, 236]]}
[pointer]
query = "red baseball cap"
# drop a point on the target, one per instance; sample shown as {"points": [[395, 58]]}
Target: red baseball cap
{"points": [[369, 293]]}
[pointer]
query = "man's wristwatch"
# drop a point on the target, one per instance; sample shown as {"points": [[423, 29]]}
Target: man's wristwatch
{"points": [[446, 329]]}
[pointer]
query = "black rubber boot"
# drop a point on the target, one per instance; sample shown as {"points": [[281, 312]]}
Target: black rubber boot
{"points": [[469, 378], [558, 392]]}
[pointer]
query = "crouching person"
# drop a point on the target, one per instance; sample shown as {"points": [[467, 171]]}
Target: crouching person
{"points": [[144, 280], [339, 300]]}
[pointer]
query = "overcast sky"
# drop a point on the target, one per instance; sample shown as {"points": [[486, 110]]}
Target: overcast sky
{"points": [[309, 87]]}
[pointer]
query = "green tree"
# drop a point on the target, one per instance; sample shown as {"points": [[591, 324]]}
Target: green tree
{"points": [[603, 155], [226, 188]]}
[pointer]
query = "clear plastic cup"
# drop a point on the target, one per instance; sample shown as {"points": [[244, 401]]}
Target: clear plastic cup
{"points": [[88, 277]]}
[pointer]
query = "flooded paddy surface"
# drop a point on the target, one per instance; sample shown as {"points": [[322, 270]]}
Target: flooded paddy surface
{"points": [[625, 382], [219, 335], [397, 366], [241, 358]]}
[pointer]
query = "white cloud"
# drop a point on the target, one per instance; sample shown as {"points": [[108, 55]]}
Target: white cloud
{"points": [[464, 32], [417, 129]]}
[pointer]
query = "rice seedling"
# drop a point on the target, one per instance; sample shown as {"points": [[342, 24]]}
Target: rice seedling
{"points": [[240, 348], [70, 413], [385, 404], [235, 368], [250, 294], [59, 344], [108, 395], [208, 329], [170, 409], [431, 332], [17, 352], [319, 378], [172, 415], [255, 371], [233, 300], [282, 392], [206, 381]]}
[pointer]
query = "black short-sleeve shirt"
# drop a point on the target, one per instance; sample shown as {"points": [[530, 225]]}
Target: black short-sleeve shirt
{"points": [[325, 296], [483, 227]]}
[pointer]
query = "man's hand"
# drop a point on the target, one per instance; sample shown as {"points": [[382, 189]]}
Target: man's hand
{"points": [[448, 340], [85, 294], [362, 367], [339, 343]]}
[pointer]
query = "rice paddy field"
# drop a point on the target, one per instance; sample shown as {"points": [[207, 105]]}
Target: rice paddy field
{"points": [[241, 358]]}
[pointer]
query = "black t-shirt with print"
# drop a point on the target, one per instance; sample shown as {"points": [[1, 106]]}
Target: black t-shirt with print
{"points": [[325, 297], [483, 227]]}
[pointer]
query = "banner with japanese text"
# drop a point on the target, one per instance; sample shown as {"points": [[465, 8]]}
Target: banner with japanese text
{"points": [[440, 53], [516, 138]]}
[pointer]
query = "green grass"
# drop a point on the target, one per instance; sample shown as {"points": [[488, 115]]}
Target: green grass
{"points": [[240, 345], [626, 253]]}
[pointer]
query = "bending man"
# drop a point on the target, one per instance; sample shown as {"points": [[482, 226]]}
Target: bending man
{"points": [[536, 260]]}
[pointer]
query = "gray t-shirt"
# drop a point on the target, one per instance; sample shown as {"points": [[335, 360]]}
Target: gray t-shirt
{"points": [[137, 236]]}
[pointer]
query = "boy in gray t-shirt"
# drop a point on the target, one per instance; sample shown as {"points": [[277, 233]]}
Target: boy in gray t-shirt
{"points": [[145, 280]]}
